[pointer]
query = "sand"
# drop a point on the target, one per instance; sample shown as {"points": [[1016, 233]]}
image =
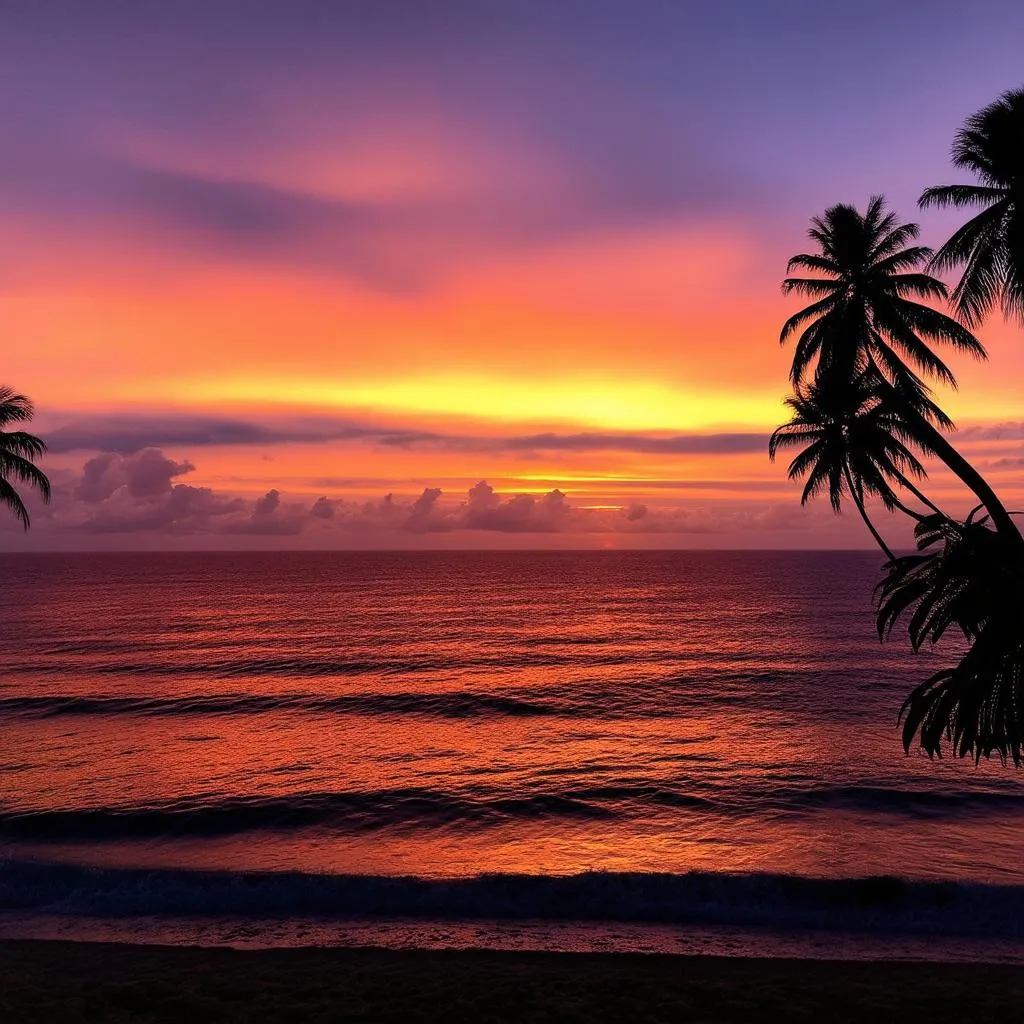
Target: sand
{"points": [[63, 981]]}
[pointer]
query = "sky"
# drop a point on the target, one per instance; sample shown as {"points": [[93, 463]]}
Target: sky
{"points": [[475, 273]]}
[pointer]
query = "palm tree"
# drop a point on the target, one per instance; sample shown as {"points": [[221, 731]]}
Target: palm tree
{"points": [[865, 320], [990, 246], [17, 450], [851, 443], [963, 577]]}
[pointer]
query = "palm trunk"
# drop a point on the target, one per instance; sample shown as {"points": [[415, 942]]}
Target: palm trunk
{"points": [[919, 494], [933, 439], [936, 442], [906, 510], [855, 494]]}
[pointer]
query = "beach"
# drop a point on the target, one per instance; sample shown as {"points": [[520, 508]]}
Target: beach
{"points": [[65, 981]]}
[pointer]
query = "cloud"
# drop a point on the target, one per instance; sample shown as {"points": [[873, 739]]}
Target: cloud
{"points": [[323, 508], [424, 515], [1006, 431], [485, 510], [135, 493], [548, 178], [144, 474], [129, 433], [267, 505], [126, 434], [270, 516], [521, 513], [645, 117], [393, 245], [182, 509], [648, 444], [140, 495]]}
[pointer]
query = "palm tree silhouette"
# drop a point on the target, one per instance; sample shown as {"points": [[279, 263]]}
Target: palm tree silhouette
{"points": [[990, 246], [865, 320], [17, 450], [851, 443], [963, 577]]}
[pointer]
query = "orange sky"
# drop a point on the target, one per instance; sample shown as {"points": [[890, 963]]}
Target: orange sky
{"points": [[412, 292]]}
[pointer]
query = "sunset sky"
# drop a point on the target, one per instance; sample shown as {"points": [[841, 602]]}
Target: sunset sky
{"points": [[454, 274]]}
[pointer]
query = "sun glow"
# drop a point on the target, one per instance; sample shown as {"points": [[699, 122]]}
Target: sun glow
{"points": [[591, 403]]}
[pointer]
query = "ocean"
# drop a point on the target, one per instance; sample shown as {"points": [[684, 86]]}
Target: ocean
{"points": [[675, 751]]}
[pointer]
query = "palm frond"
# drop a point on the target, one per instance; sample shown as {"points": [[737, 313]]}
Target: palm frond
{"points": [[810, 261], [990, 246], [809, 286], [17, 442], [814, 310], [960, 195], [14, 408], [10, 497], [892, 241], [903, 259], [936, 326], [17, 450], [924, 286], [27, 472]]}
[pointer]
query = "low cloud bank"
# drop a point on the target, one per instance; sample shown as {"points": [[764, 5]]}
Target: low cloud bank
{"points": [[146, 492]]}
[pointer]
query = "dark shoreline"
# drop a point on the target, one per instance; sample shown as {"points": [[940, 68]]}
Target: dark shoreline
{"points": [[67, 981]]}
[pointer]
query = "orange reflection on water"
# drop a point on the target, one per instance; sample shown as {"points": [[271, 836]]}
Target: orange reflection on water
{"points": [[450, 714]]}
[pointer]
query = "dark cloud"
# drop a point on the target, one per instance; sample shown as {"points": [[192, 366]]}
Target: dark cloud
{"points": [[398, 245], [521, 513], [484, 509], [183, 509], [267, 505], [129, 433], [270, 516], [144, 474], [126, 434], [101, 476], [679, 444], [138, 496], [1007, 431], [323, 508], [424, 516], [135, 493]]}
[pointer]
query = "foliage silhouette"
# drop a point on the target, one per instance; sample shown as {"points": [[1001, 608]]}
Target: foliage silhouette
{"points": [[851, 443], [17, 450], [962, 578], [990, 246], [863, 413], [865, 314], [865, 320]]}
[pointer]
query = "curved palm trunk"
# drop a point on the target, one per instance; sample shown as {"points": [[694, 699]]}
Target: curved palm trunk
{"points": [[855, 494], [932, 438], [905, 509], [909, 485], [972, 479]]}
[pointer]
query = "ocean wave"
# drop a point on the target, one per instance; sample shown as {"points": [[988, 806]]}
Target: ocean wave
{"points": [[236, 667], [243, 665], [675, 696], [446, 704], [352, 812], [879, 904], [410, 809]]}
